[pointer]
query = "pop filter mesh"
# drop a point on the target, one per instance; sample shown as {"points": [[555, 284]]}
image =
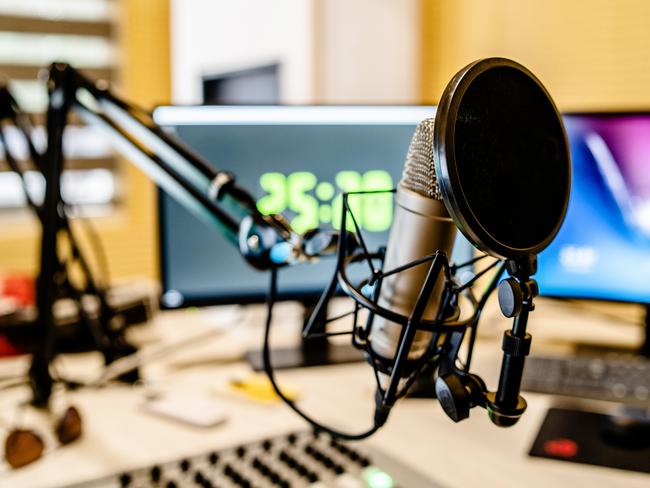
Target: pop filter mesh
{"points": [[511, 158]]}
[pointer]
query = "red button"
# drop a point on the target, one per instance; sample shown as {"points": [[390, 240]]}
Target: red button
{"points": [[564, 448]]}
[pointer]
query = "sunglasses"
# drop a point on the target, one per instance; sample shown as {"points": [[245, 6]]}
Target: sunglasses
{"points": [[23, 446]]}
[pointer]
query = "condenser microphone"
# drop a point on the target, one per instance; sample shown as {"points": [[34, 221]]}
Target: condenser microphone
{"points": [[495, 165], [421, 226]]}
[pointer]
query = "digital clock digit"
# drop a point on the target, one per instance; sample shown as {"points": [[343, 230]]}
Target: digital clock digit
{"points": [[299, 184], [275, 202], [313, 203]]}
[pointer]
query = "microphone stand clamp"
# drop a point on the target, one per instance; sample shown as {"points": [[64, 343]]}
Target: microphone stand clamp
{"points": [[516, 294]]}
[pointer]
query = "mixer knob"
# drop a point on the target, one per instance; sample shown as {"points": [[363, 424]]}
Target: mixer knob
{"points": [[155, 473], [125, 480], [199, 478]]}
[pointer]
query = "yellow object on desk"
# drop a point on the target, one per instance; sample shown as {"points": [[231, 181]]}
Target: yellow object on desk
{"points": [[257, 387]]}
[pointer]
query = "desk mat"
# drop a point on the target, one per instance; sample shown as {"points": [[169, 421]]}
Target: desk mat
{"points": [[587, 438]]}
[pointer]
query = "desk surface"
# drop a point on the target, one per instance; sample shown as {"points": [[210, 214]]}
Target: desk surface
{"points": [[119, 436]]}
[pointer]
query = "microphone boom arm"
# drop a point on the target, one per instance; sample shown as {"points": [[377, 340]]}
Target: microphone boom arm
{"points": [[265, 241]]}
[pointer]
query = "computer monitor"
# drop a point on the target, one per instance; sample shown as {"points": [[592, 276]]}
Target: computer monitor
{"points": [[296, 160], [602, 250]]}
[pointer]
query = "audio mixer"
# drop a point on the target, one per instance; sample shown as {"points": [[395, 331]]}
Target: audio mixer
{"points": [[298, 459]]}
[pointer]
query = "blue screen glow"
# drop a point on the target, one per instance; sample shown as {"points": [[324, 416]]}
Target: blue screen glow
{"points": [[603, 248]]}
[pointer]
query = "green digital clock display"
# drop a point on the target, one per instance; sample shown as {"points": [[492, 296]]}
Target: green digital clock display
{"points": [[316, 203]]}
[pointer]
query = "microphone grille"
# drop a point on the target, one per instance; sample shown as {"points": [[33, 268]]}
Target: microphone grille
{"points": [[419, 170]]}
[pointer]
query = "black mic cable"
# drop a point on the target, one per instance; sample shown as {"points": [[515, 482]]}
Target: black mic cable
{"points": [[268, 369]]}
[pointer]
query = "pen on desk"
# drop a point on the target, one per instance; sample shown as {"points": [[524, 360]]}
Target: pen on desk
{"points": [[259, 389]]}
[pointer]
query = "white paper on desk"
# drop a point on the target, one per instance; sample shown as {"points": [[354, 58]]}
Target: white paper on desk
{"points": [[140, 358], [196, 410]]}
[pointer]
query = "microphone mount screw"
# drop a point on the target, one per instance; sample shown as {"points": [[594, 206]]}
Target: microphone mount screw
{"points": [[253, 242]]}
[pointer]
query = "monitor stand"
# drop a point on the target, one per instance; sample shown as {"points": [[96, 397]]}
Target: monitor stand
{"points": [[310, 352], [642, 349]]}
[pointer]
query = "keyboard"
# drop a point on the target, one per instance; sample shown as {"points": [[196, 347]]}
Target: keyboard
{"points": [[619, 378], [297, 459]]}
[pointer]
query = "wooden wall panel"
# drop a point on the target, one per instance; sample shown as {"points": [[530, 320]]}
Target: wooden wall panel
{"points": [[591, 54]]}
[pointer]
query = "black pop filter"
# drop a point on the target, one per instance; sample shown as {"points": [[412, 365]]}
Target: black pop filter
{"points": [[502, 160]]}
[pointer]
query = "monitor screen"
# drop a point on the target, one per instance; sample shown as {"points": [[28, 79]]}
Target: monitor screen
{"points": [[602, 250], [296, 161]]}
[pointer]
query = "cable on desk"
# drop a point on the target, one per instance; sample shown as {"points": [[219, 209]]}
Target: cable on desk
{"points": [[268, 369], [7, 384]]}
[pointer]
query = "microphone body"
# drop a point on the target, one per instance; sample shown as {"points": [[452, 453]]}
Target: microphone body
{"points": [[421, 227]]}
